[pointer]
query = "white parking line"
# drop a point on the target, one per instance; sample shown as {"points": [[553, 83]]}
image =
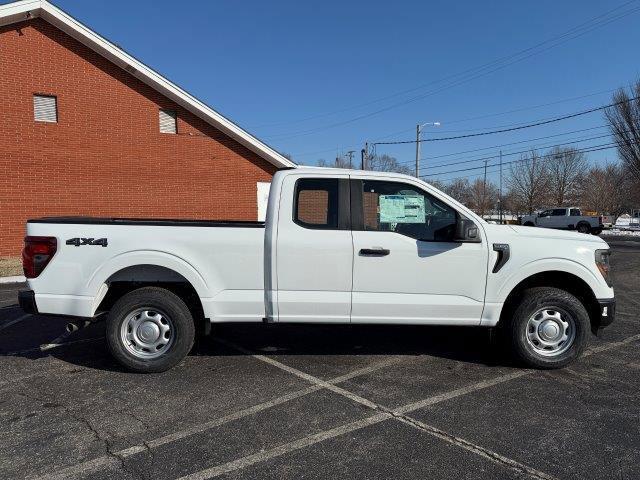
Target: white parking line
{"points": [[397, 414], [100, 463], [13, 322]]}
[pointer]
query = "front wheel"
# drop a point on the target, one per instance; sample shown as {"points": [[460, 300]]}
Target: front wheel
{"points": [[150, 330], [548, 329]]}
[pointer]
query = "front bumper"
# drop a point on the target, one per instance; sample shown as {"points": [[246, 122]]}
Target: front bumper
{"points": [[607, 313], [27, 301]]}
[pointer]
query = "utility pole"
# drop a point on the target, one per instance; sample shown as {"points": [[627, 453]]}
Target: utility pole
{"points": [[350, 156], [484, 188], [500, 197], [364, 153], [418, 127]]}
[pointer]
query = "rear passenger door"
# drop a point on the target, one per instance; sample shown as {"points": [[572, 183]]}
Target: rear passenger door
{"points": [[314, 255]]}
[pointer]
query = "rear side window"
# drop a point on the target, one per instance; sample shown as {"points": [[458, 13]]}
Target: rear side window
{"points": [[559, 212], [407, 210], [574, 212], [316, 203]]}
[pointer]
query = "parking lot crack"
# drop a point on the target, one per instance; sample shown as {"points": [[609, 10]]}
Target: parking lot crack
{"points": [[472, 447]]}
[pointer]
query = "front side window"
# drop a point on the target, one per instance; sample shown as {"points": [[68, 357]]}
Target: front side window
{"points": [[407, 210], [559, 212], [316, 203]]}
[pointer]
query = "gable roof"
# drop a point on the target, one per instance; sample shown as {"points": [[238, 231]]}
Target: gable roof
{"points": [[26, 9]]}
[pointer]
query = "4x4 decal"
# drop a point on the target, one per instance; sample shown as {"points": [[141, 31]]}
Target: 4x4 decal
{"points": [[87, 241]]}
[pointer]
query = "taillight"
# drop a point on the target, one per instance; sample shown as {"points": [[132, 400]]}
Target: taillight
{"points": [[37, 253]]}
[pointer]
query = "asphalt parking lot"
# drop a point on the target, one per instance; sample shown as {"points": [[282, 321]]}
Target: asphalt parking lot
{"points": [[321, 402]]}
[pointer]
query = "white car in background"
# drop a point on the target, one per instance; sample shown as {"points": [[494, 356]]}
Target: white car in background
{"points": [[564, 218]]}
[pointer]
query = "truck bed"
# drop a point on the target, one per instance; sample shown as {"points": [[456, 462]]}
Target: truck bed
{"points": [[222, 259]]}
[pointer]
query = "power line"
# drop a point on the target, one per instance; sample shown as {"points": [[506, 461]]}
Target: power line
{"points": [[594, 148], [577, 31], [512, 129], [450, 122], [478, 68], [513, 143], [516, 153]]}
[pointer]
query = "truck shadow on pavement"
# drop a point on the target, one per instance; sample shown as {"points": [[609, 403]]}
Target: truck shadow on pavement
{"points": [[87, 347]]}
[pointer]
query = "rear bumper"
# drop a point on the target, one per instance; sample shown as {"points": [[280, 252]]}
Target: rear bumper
{"points": [[607, 312], [27, 301]]}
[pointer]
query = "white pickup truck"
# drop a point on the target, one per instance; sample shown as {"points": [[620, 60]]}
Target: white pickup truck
{"points": [[338, 246], [564, 218]]}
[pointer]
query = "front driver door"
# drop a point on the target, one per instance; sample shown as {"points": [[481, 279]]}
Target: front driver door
{"points": [[406, 267]]}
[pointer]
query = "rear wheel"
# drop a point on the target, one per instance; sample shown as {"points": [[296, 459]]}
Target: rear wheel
{"points": [[548, 328], [150, 330], [528, 224], [583, 227]]}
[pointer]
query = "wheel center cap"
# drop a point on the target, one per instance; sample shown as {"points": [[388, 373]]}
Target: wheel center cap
{"points": [[549, 330], [148, 332]]}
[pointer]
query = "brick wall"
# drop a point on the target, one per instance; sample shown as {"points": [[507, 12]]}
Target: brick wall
{"points": [[105, 156]]}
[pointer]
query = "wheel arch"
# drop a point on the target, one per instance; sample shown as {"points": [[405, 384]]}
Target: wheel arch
{"points": [[134, 270], [569, 282]]}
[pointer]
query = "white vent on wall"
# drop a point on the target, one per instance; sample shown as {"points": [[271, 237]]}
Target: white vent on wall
{"points": [[45, 108], [168, 123]]}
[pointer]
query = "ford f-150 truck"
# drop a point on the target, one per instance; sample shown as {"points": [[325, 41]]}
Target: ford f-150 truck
{"points": [[338, 246], [565, 219]]}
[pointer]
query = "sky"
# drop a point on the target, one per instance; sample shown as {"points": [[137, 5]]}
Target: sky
{"points": [[315, 79]]}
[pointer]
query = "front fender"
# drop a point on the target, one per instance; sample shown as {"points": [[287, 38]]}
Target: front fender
{"points": [[548, 265]]}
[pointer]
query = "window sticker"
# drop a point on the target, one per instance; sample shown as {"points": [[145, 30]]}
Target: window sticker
{"points": [[402, 209]]}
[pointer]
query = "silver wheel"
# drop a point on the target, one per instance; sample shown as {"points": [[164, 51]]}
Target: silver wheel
{"points": [[147, 333], [550, 331]]}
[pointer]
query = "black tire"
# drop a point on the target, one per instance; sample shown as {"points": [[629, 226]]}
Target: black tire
{"points": [[153, 299], [540, 298], [596, 231], [528, 224], [583, 227]]}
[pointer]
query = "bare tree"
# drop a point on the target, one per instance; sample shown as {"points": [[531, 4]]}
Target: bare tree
{"points": [[387, 163], [624, 122], [565, 167], [483, 197], [528, 182], [459, 190], [607, 190], [339, 162]]}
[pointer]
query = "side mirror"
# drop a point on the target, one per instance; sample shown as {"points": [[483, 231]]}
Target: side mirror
{"points": [[466, 231]]}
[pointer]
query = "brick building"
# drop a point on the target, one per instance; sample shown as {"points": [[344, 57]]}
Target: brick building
{"points": [[89, 130]]}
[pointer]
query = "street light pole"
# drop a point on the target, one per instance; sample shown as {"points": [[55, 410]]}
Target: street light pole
{"points": [[418, 126], [418, 132]]}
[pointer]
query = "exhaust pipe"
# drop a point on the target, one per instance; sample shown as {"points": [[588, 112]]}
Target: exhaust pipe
{"points": [[75, 326]]}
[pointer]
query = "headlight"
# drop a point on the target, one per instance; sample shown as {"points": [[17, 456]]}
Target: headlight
{"points": [[602, 261]]}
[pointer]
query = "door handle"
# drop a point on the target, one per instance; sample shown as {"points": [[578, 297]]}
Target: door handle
{"points": [[375, 252]]}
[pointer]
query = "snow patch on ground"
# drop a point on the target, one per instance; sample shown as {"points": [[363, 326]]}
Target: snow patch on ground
{"points": [[615, 231]]}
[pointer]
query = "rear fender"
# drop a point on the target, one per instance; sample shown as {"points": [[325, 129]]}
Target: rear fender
{"points": [[96, 283]]}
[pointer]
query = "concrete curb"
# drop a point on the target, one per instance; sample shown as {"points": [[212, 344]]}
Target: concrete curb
{"points": [[16, 279]]}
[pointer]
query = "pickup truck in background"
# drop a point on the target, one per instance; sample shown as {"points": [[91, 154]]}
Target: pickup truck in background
{"points": [[338, 246], [570, 218]]}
